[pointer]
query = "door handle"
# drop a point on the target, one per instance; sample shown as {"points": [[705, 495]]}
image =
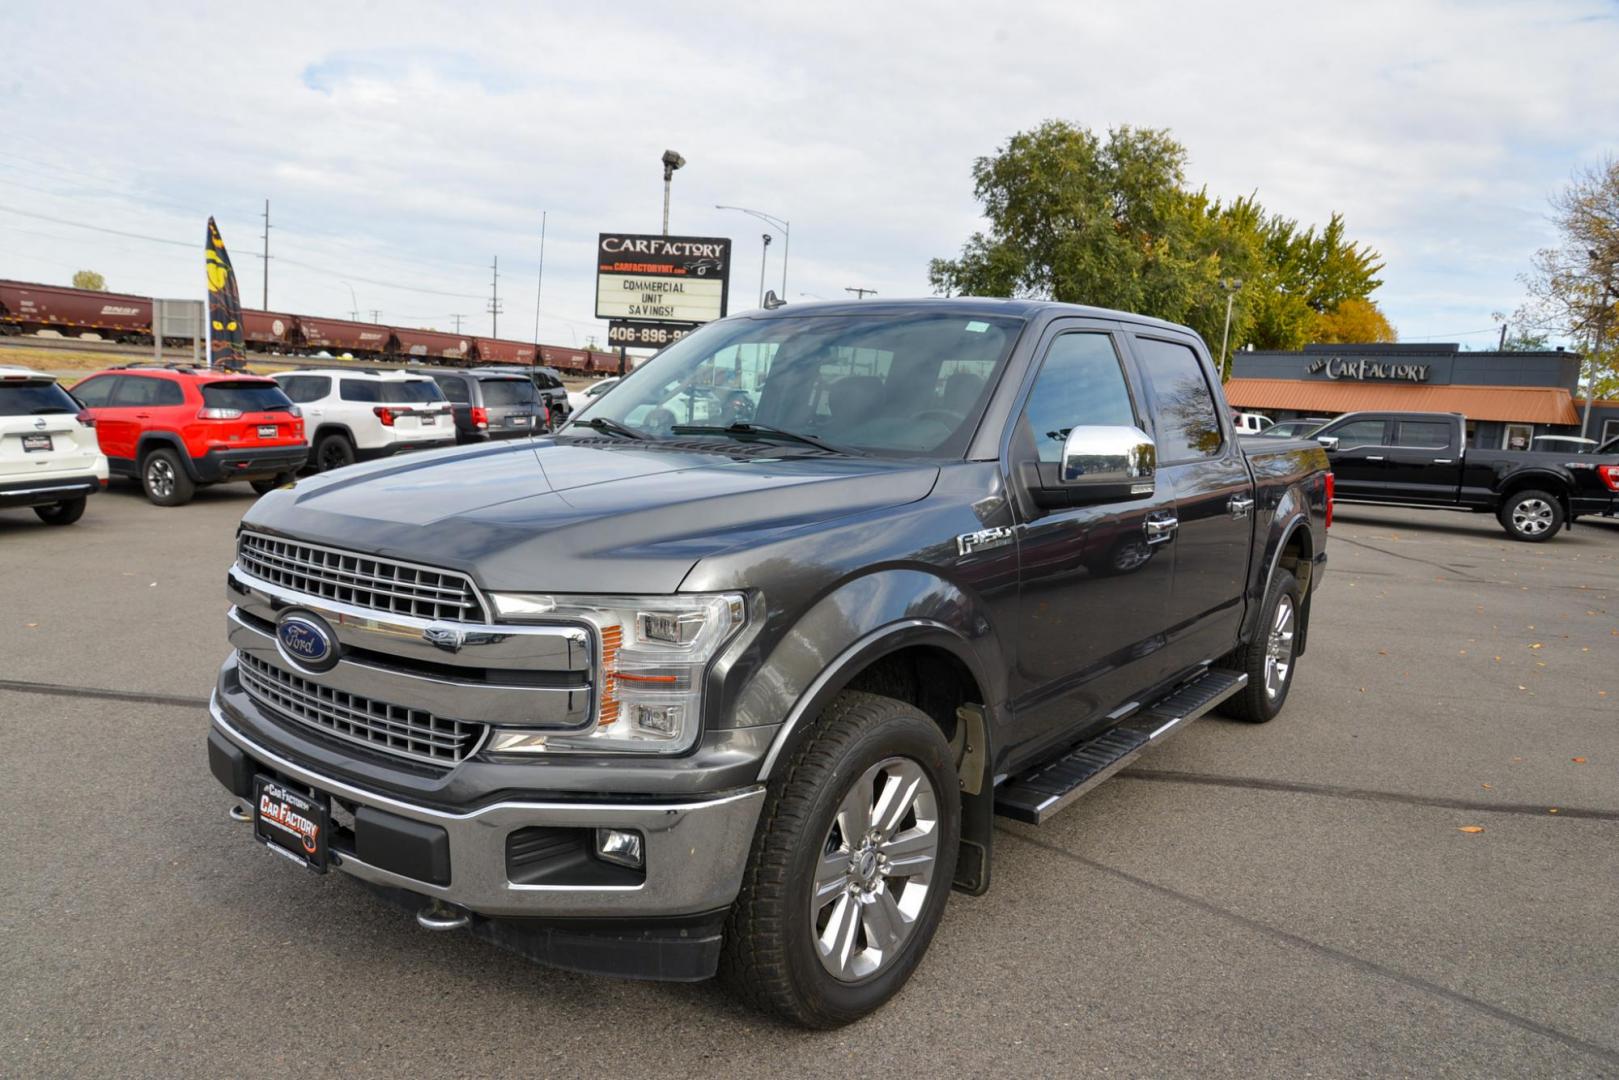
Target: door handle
{"points": [[1443, 460], [1240, 505], [1161, 529], [1374, 457]]}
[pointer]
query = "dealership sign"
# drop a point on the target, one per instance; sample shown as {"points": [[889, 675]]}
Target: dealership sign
{"points": [[655, 289], [1337, 367]]}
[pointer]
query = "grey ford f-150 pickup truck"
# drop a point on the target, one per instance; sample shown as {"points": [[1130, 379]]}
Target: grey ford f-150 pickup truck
{"points": [[670, 694]]}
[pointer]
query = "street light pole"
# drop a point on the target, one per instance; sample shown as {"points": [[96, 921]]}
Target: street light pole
{"points": [[671, 162], [764, 253], [1230, 285], [775, 222]]}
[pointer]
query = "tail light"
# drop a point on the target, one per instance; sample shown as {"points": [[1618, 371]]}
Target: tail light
{"points": [[294, 411], [1610, 476], [85, 418], [1331, 487], [480, 416], [386, 415], [220, 414]]}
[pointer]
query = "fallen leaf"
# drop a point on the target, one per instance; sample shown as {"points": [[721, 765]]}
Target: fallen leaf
{"points": [[31, 625], [1487, 787], [1462, 653], [1551, 810], [1522, 687], [1471, 829], [1382, 652], [1536, 645], [1578, 760]]}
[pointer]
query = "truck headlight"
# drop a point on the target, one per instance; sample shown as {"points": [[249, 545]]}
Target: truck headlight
{"points": [[652, 653]]}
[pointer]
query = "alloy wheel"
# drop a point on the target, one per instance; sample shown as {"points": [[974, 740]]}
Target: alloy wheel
{"points": [[1532, 517], [1279, 648], [160, 478]]}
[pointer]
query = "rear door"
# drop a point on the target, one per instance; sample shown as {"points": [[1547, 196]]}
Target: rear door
{"points": [[1423, 463], [1358, 462], [263, 412], [1201, 464]]}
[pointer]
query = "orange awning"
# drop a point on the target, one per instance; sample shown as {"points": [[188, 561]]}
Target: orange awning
{"points": [[1523, 404]]}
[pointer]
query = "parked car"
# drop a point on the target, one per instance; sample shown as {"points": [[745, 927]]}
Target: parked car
{"points": [[357, 415], [578, 399], [1423, 460], [49, 458], [747, 699], [548, 382], [176, 428], [1248, 423], [491, 404], [1295, 429]]}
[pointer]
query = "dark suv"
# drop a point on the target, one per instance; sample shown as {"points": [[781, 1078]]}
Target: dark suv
{"points": [[491, 404], [548, 382]]}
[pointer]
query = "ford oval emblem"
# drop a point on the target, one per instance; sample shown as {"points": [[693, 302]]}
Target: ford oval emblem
{"points": [[306, 640]]}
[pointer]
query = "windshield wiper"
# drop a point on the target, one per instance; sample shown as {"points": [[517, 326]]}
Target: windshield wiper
{"points": [[743, 427], [612, 427]]}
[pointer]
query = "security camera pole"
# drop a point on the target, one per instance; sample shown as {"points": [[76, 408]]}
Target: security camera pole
{"points": [[764, 254], [1230, 285], [671, 162]]}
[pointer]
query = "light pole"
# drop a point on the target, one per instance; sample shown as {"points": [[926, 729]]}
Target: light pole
{"points": [[764, 253], [1230, 285], [786, 237], [354, 311], [671, 162]]}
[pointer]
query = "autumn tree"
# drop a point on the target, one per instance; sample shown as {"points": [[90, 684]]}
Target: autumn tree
{"points": [[1352, 321], [1574, 286], [1112, 222], [89, 279]]}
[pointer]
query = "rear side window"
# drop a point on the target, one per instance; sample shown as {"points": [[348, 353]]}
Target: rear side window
{"points": [[139, 390], [1079, 384], [507, 392], [302, 389], [1183, 405], [95, 391], [411, 392], [362, 390], [454, 389], [245, 397], [1358, 433], [34, 399], [1430, 434]]}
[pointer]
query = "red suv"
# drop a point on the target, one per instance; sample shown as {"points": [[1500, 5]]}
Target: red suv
{"points": [[177, 427]]}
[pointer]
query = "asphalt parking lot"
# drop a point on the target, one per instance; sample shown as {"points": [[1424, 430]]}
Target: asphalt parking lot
{"points": [[1294, 899]]}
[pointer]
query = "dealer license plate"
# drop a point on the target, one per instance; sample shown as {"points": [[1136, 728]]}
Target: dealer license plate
{"points": [[291, 823], [31, 443], [268, 431], [429, 420], [519, 421]]}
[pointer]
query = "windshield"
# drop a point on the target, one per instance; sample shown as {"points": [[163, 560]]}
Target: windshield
{"points": [[31, 398], [245, 396], [906, 385]]}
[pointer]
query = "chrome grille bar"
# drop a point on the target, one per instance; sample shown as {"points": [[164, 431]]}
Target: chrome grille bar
{"points": [[395, 729], [385, 585]]}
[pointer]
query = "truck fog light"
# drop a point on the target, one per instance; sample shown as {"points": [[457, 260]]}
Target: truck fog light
{"points": [[620, 846], [661, 720]]}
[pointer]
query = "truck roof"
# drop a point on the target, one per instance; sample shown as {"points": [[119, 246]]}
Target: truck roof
{"points": [[960, 305]]}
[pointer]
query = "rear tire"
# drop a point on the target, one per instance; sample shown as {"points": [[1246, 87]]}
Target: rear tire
{"points": [[1271, 659], [163, 477], [883, 769], [63, 513], [332, 451], [269, 484], [1531, 516]]}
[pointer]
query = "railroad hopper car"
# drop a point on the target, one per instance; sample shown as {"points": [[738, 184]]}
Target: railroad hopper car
{"points": [[432, 345], [25, 308], [499, 351]]}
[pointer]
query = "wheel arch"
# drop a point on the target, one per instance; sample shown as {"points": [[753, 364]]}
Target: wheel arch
{"points": [[152, 440]]}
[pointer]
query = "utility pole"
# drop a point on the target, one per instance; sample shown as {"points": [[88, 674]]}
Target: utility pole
{"points": [[494, 298], [266, 254], [457, 316], [539, 290], [376, 315], [859, 293], [1501, 346]]}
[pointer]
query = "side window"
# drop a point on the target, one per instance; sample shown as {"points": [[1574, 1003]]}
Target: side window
{"points": [[455, 390], [1358, 433], [1080, 383], [1429, 434], [134, 391], [167, 392], [96, 391], [1183, 405], [302, 389], [361, 390]]}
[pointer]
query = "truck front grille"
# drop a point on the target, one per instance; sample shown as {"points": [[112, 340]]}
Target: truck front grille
{"points": [[365, 581], [393, 729]]}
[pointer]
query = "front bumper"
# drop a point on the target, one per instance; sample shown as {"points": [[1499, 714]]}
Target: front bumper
{"points": [[695, 850], [219, 466]]}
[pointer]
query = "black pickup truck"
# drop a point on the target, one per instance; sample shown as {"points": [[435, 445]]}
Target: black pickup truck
{"points": [[662, 698], [1422, 460]]}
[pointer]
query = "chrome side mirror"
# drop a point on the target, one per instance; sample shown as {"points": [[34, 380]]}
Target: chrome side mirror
{"points": [[1108, 462], [1329, 442]]}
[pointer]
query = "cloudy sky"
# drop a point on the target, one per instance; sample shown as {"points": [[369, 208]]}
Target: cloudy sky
{"points": [[403, 146]]}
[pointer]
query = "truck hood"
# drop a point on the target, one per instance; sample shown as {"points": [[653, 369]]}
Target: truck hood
{"points": [[553, 515]]}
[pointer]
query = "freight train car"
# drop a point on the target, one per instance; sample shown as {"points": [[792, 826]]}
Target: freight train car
{"points": [[572, 361], [432, 345], [359, 338], [270, 331], [25, 308], [499, 351]]}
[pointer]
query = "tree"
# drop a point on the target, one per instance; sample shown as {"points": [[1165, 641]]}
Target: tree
{"points": [[1353, 321], [1574, 286], [1112, 222], [89, 279]]}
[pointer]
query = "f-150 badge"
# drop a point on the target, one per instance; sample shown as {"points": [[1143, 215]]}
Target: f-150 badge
{"points": [[967, 543]]}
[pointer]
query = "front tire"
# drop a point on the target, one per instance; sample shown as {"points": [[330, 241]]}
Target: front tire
{"points": [[270, 483], [62, 513], [1532, 516], [163, 477], [850, 868], [1271, 658]]}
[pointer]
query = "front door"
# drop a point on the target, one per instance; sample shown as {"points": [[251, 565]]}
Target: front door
{"points": [[1202, 467], [1358, 462], [1094, 585], [1423, 464]]}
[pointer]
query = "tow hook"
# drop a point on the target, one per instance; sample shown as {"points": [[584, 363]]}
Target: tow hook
{"points": [[240, 811], [438, 915]]}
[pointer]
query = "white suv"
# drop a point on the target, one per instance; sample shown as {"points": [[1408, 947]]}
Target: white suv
{"points": [[49, 457], [352, 414]]}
